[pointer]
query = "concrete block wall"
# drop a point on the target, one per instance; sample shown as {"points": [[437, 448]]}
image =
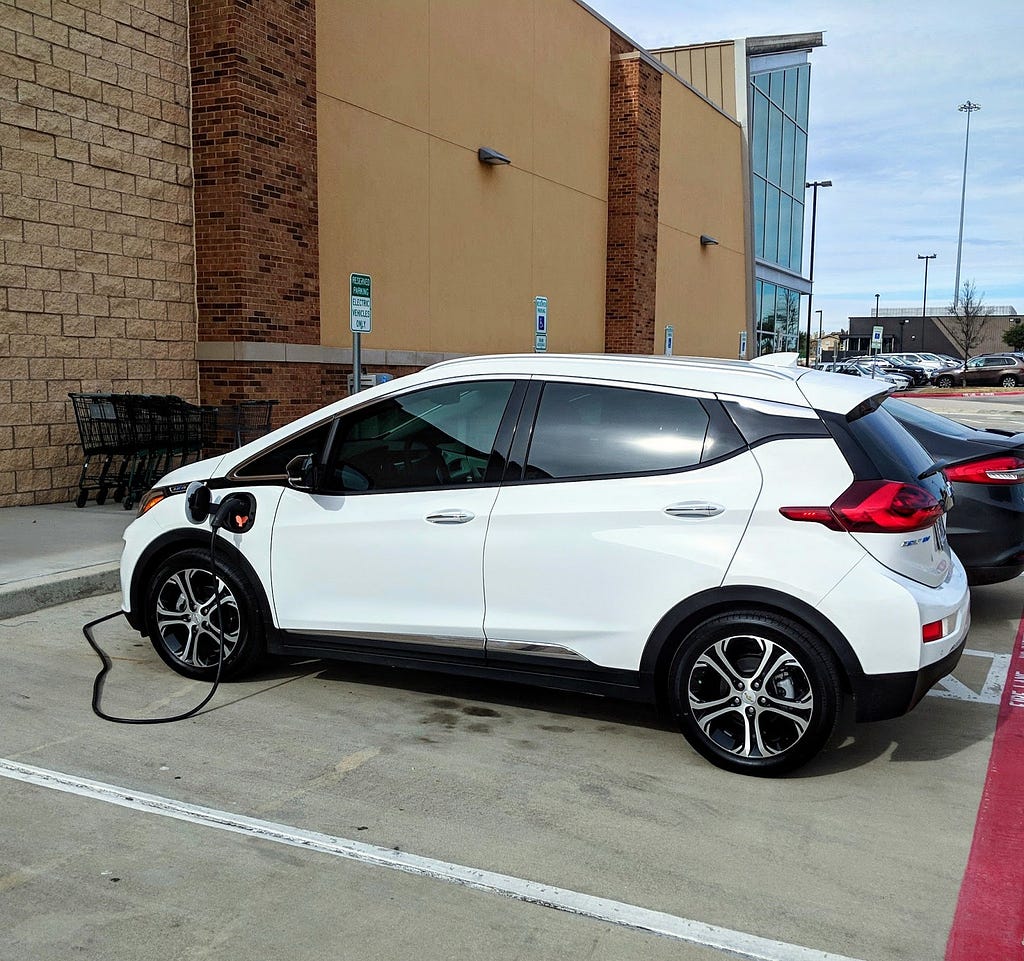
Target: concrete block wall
{"points": [[97, 286]]}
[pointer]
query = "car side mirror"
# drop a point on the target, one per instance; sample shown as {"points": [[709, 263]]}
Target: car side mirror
{"points": [[303, 472]]}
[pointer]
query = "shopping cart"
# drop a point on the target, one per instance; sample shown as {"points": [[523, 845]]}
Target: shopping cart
{"points": [[104, 435]]}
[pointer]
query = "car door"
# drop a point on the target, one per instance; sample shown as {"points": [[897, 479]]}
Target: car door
{"points": [[975, 371], [388, 547], [619, 503]]}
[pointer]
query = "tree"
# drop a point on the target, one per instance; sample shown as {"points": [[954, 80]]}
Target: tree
{"points": [[1013, 336], [967, 322]]}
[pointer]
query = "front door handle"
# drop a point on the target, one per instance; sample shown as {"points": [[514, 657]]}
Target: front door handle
{"points": [[451, 517], [694, 509]]}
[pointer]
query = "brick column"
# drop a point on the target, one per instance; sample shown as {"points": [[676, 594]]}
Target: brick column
{"points": [[633, 169], [254, 154]]}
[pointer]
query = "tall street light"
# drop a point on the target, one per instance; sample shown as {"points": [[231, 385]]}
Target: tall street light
{"points": [[877, 298], [967, 108], [924, 303], [810, 294]]}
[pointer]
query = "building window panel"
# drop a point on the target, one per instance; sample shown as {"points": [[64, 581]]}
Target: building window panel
{"points": [[759, 195], [796, 247], [759, 134], [803, 95], [788, 147], [776, 83], [799, 163], [789, 100], [774, 145], [785, 226], [771, 224], [761, 82]]}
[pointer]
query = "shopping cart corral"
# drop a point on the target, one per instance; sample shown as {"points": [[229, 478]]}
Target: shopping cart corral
{"points": [[131, 440]]}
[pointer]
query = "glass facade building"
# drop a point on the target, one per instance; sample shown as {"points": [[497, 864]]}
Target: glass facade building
{"points": [[778, 100]]}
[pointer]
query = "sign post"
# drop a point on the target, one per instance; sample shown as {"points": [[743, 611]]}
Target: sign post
{"points": [[670, 333], [360, 321], [743, 345], [540, 330]]}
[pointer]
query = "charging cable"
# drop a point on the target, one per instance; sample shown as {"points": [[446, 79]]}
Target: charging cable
{"points": [[224, 510]]}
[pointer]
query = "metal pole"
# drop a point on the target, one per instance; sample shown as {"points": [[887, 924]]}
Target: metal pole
{"points": [[924, 303], [810, 294], [357, 363], [967, 108], [818, 312]]}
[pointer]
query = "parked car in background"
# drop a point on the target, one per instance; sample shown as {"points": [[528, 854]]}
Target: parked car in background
{"points": [[932, 363], [986, 370], [917, 373], [891, 380], [986, 468], [748, 545]]}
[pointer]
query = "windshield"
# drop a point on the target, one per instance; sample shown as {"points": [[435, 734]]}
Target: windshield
{"points": [[907, 413]]}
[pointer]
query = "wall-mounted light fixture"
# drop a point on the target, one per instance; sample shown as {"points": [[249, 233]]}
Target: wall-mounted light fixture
{"points": [[706, 241], [488, 155]]}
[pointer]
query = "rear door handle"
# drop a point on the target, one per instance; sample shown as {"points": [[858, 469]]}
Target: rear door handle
{"points": [[694, 509], [451, 517]]}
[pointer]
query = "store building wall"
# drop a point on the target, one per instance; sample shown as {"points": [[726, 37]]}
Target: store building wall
{"points": [[96, 272]]}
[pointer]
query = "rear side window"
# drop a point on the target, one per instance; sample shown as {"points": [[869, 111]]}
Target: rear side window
{"points": [[915, 416], [877, 446], [583, 430]]}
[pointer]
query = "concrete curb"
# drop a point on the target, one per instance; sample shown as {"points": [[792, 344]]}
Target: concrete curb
{"points": [[35, 593]]}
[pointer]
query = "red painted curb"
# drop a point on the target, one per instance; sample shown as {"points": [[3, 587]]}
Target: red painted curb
{"points": [[989, 920], [960, 393]]}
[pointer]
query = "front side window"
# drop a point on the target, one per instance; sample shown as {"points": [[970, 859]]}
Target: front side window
{"points": [[273, 462], [584, 430], [438, 437]]}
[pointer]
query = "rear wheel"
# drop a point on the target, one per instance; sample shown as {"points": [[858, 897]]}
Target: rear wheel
{"points": [[189, 609], [1008, 381], [754, 693]]}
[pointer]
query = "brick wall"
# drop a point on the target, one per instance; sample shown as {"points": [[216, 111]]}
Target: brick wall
{"points": [[633, 170], [254, 111], [96, 252]]}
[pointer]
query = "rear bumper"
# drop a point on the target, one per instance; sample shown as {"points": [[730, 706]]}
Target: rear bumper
{"points": [[882, 696]]}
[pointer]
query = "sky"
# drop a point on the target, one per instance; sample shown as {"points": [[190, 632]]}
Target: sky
{"points": [[885, 129]]}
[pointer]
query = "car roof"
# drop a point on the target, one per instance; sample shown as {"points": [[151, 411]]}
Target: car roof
{"points": [[740, 379]]}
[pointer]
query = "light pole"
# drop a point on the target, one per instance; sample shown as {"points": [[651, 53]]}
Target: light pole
{"points": [[924, 303], [810, 294], [877, 296], [903, 326], [967, 108], [818, 312]]}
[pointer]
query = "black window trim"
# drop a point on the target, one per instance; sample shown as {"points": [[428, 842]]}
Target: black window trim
{"points": [[514, 475]]}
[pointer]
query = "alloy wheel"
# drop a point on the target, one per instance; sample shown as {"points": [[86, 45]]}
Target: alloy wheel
{"points": [[750, 696], [193, 607]]}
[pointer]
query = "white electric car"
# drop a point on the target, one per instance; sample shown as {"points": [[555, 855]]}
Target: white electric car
{"points": [[747, 545]]}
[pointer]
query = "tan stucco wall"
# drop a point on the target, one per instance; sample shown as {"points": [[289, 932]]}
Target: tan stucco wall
{"points": [[702, 291], [407, 92], [710, 68]]}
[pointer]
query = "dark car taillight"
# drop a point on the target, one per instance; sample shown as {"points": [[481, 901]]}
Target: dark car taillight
{"points": [[1004, 469], [874, 507]]}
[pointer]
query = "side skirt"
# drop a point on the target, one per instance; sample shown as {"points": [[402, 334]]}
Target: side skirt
{"points": [[536, 671]]}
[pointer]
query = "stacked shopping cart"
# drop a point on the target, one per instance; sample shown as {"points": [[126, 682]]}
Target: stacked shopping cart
{"points": [[131, 440]]}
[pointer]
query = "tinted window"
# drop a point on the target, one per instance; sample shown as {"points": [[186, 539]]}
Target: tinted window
{"points": [[588, 431], [437, 437], [915, 416], [273, 462]]}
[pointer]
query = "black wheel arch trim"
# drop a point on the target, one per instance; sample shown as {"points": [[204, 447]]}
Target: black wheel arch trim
{"points": [[682, 618], [171, 542]]}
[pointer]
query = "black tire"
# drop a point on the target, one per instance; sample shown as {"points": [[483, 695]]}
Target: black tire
{"points": [[82, 499], [101, 495], [182, 617], [754, 692], [1008, 381], [943, 381]]}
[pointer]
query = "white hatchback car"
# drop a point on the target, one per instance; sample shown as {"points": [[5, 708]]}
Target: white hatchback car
{"points": [[747, 545]]}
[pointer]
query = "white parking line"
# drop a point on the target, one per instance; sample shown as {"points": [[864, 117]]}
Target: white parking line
{"points": [[991, 691], [560, 899]]}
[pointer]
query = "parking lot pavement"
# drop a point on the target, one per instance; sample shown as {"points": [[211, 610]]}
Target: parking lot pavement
{"points": [[859, 855]]}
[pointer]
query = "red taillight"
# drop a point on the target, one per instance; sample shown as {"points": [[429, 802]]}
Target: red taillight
{"points": [[1005, 469], [932, 632], [873, 507]]}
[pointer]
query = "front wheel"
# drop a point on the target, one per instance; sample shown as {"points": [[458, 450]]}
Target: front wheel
{"points": [[754, 692], [943, 381], [1008, 381], [190, 610]]}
